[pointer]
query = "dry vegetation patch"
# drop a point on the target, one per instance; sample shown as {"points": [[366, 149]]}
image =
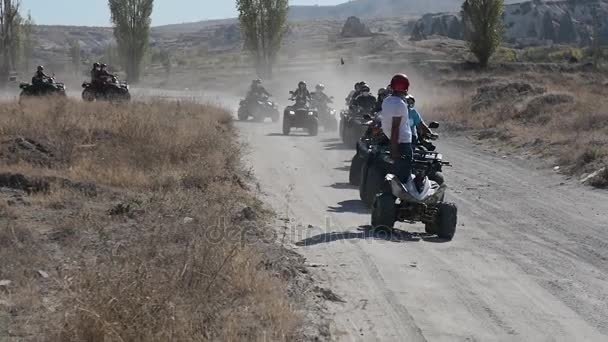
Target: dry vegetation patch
{"points": [[565, 118], [139, 234]]}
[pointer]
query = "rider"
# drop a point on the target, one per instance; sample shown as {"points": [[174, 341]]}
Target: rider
{"points": [[301, 95], [397, 127], [95, 75], [365, 101], [103, 73], [382, 94], [256, 91], [354, 93], [419, 127], [39, 76], [319, 94]]}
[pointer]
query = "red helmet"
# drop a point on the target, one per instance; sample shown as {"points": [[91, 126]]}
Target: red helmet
{"points": [[400, 83]]}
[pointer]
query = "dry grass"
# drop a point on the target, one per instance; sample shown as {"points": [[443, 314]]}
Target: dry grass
{"points": [[157, 252], [568, 123]]}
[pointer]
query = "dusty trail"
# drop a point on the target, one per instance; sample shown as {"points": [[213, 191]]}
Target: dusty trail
{"points": [[529, 262]]}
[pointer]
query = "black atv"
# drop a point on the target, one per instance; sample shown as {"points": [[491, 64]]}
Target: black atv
{"points": [[327, 115], [300, 115], [377, 163], [373, 136], [112, 90], [48, 87], [352, 125], [259, 109]]}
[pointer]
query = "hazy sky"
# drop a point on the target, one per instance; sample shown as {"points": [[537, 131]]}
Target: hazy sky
{"points": [[95, 12]]}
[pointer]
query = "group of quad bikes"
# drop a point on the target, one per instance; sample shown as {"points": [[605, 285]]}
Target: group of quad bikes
{"points": [[308, 115], [422, 199], [110, 89]]}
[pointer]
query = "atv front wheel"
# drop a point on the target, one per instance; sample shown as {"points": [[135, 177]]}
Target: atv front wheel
{"points": [[242, 114], [314, 127], [331, 125], [445, 222], [88, 95], [275, 116], [371, 185], [384, 212], [354, 176], [286, 125]]}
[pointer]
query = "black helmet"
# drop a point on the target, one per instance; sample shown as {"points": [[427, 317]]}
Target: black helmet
{"points": [[302, 83], [365, 89], [357, 86], [103, 65], [40, 68], [382, 91], [96, 65]]}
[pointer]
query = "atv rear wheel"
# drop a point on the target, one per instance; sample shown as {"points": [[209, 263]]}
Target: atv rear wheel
{"points": [[445, 223], [372, 184], [286, 125], [384, 212], [354, 176], [437, 178]]}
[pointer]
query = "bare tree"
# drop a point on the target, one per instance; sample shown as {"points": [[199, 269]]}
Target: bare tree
{"points": [[9, 26], [263, 25], [132, 21]]}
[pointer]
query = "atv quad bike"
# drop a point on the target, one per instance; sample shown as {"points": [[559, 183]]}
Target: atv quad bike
{"points": [[377, 164], [327, 115], [112, 90], [259, 109], [47, 88], [373, 136], [300, 116], [352, 126], [419, 200]]}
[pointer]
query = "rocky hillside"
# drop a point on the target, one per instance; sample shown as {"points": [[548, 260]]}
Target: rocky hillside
{"points": [[530, 23], [376, 8]]}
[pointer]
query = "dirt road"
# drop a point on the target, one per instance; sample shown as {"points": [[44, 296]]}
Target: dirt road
{"points": [[529, 261]]}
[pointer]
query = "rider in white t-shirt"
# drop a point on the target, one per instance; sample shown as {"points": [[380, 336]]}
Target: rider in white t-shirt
{"points": [[396, 125]]}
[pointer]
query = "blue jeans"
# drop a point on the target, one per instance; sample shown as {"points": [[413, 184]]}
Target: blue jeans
{"points": [[403, 166]]}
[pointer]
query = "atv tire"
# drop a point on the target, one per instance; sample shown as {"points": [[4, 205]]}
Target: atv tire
{"points": [[354, 175], [384, 212], [314, 127], [331, 125], [242, 114], [275, 116], [371, 184], [437, 178], [445, 223], [88, 95], [286, 125]]}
